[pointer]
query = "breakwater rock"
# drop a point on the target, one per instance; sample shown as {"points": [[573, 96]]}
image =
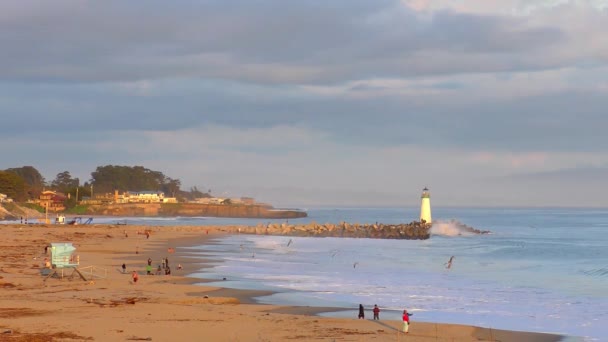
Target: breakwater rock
{"points": [[409, 231]]}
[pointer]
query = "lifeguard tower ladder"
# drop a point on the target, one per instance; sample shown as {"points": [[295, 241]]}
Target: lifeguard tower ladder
{"points": [[62, 259]]}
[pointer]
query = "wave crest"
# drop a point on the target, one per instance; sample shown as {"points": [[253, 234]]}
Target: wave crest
{"points": [[454, 228]]}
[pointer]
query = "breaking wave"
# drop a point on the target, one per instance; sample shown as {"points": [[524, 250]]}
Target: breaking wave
{"points": [[454, 228]]}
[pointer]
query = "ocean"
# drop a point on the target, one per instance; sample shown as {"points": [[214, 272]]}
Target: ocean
{"points": [[542, 270]]}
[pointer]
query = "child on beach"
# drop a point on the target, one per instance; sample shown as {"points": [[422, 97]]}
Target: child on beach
{"points": [[361, 312], [124, 268], [406, 321], [376, 312], [135, 277]]}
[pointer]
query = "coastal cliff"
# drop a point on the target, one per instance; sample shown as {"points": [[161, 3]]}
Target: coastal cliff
{"points": [[195, 210], [13, 211]]}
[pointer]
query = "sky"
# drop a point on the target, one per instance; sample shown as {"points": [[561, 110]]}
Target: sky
{"points": [[314, 103]]}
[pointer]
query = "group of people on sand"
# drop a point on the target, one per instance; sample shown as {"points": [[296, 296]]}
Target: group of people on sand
{"points": [[376, 311], [159, 271]]}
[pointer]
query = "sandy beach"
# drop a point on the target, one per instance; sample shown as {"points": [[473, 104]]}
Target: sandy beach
{"points": [[110, 307]]}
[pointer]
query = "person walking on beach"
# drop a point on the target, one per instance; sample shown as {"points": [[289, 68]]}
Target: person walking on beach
{"points": [[376, 312], [149, 261], [135, 277], [124, 268], [406, 321], [361, 312]]}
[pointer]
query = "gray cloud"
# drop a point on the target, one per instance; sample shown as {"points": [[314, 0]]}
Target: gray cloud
{"points": [[566, 121], [312, 41], [315, 97]]}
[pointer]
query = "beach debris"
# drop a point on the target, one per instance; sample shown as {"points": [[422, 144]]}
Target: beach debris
{"points": [[7, 331], [135, 338]]}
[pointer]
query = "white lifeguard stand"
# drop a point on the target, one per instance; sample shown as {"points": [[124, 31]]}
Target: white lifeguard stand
{"points": [[425, 206], [62, 258]]}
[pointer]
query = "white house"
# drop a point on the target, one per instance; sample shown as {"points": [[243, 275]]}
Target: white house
{"points": [[5, 199], [144, 196]]}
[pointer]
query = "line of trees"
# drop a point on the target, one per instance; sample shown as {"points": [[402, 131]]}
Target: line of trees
{"points": [[24, 183]]}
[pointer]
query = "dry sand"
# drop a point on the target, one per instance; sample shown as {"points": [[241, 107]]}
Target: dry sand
{"points": [[166, 308]]}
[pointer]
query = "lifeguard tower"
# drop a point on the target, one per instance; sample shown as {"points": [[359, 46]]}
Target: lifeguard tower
{"points": [[63, 258]]}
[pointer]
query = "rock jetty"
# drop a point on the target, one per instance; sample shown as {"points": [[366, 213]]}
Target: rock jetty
{"points": [[409, 231]]}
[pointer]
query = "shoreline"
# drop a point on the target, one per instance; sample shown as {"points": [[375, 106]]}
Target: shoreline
{"points": [[176, 299]]}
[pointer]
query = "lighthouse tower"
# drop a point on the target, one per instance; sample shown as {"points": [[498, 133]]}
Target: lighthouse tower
{"points": [[425, 206]]}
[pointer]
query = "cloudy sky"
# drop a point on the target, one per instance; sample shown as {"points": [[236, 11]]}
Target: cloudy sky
{"points": [[342, 102]]}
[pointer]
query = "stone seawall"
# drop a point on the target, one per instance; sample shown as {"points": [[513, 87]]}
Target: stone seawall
{"points": [[409, 231]]}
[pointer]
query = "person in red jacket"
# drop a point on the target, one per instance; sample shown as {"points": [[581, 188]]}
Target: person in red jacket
{"points": [[406, 321], [376, 312]]}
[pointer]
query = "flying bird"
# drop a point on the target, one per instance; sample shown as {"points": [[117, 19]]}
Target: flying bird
{"points": [[448, 264], [355, 264]]}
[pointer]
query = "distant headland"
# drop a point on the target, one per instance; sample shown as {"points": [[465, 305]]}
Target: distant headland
{"points": [[115, 190]]}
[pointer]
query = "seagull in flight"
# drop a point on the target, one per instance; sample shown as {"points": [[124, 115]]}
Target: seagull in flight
{"points": [[355, 264], [448, 264]]}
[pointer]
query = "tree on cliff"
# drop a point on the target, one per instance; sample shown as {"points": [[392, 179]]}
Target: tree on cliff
{"points": [[196, 193], [137, 178], [171, 187], [64, 182], [13, 186], [34, 181]]}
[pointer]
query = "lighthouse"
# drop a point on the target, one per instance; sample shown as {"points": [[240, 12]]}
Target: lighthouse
{"points": [[425, 206]]}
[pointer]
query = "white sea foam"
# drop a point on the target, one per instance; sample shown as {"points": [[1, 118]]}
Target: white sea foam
{"points": [[449, 228]]}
